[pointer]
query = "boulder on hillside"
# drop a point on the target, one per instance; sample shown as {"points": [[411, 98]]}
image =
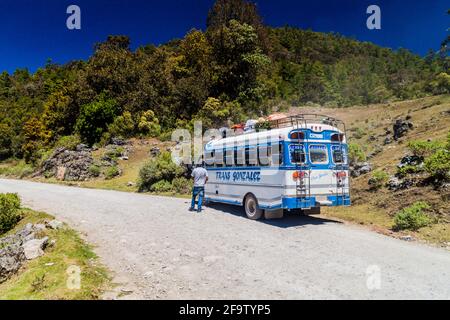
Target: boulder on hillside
{"points": [[69, 165], [359, 168], [34, 248], [401, 127], [11, 259]]}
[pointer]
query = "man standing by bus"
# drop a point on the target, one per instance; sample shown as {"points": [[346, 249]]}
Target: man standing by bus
{"points": [[200, 176]]}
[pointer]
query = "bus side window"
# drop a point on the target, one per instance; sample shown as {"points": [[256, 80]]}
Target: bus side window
{"points": [[264, 156], [218, 159], [239, 157], [277, 154], [209, 158], [229, 157], [251, 156]]}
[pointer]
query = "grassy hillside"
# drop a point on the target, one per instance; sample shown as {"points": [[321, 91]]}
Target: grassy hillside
{"points": [[367, 127]]}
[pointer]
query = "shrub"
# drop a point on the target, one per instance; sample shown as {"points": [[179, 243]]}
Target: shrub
{"points": [[408, 169], [149, 124], [114, 152], [94, 170], [412, 217], [378, 179], [9, 211], [356, 153], [112, 172], [438, 165], [182, 185], [425, 148], [122, 126], [68, 142], [160, 168], [94, 119], [161, 186], [358, 133]]}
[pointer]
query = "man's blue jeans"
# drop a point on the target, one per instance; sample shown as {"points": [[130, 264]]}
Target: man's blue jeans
{"points": [[200, 192]]}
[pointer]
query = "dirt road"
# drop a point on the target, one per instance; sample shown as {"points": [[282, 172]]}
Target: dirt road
{"points": [[160, 250]]}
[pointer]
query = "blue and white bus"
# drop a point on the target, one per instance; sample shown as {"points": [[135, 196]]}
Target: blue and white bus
{"points": [[301, 163]]}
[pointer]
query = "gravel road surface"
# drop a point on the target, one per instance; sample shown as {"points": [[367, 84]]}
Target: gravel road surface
{"points": [[157, 249]]}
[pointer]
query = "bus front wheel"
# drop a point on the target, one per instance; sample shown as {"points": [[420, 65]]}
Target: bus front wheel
{"points": [[251, 208]]}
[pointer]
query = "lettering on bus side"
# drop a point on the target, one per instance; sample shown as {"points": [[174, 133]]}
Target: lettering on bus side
{"points": [[239, 176]]}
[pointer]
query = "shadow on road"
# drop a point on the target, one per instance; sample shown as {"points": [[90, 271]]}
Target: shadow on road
{"points": [[290, 220]]}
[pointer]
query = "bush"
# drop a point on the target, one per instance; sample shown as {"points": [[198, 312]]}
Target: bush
{"points": [[356, 153], [149, 124], [358, 133], [182, 185], [94, 170], [161, 186], [438, 165], [160, 168], [114, 152], [412, 217], [425, 148], [408, 169], [112, 172], [378, 179], [122, 126], [94, 119], [68, 142], [9, 211]]}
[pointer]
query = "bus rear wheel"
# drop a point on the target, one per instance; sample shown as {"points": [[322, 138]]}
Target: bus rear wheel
{"points": [[251, 208]]}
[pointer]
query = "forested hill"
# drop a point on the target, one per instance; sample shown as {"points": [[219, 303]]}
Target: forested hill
{"points": [[236, 68]]}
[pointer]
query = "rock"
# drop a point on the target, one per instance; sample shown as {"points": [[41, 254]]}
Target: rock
{"points": [[55, 224], [82, 147], [411, 160], [76, 164], [11, 259], [130, 184], [358, 169], [39, 227], [407, 238], [387, 140], [155, 151], [401, 127], [395, 184], [124, 158], [118, 141], [61, 173], [34, 248], [26, 231]]}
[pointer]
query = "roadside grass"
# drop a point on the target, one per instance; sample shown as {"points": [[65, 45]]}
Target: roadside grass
{"points": [[16, 168], [46, 277], [361, 214], [379, 221]]}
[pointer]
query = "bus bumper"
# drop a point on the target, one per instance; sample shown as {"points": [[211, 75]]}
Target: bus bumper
{"points": [[311, 202]]}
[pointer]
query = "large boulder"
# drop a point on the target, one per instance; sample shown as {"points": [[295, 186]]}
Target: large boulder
{"points": [[69, 165], [11, 259], [359, 168], [34, 248], [410, 160], [401, 127]]}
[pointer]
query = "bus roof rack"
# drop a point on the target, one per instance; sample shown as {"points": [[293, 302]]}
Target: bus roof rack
{"points": [[305, 118]]}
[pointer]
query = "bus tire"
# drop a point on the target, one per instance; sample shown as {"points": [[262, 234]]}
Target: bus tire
{"points": [[251, 208]]}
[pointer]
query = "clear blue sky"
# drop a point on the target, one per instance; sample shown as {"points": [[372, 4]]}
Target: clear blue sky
{"points": [[32, 31]]}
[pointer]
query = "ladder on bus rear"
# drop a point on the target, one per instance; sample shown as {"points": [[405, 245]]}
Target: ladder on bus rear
{"points": [[303, 183]]}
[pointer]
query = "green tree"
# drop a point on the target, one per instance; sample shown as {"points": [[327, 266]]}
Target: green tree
{"points": [[95, 117]]}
